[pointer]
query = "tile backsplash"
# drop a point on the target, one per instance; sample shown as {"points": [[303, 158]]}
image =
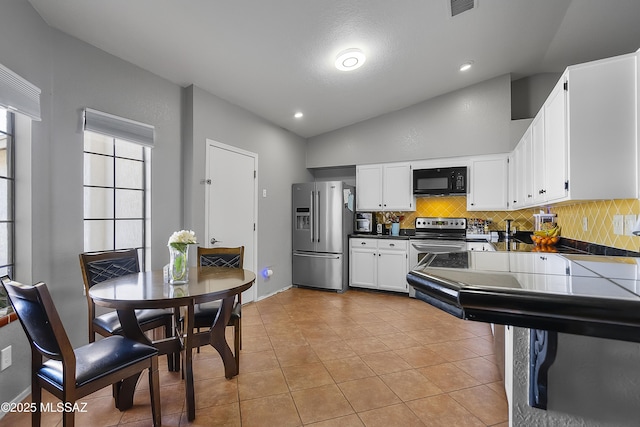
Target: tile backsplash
{"points": [[599, 215]]}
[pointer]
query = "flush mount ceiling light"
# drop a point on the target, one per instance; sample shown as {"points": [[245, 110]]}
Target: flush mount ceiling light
{"points": [[350, 59], [298, 115], [467, 65]]}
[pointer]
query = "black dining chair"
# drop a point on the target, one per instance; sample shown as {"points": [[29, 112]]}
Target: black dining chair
{"points": [[100, 266], [71, 374], [205, 314]]}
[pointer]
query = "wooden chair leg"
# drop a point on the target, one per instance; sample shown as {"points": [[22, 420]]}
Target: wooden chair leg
{"points": [[36, 397], [154, 391], [237, 344], [171, 357], [68, 418]]}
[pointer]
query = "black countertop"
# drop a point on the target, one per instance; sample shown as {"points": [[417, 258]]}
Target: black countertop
{"points": [[580, 294], [377, 236]]}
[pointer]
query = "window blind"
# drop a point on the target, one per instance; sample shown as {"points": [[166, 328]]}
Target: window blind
{"points": [[118, 127], [19, 95]]}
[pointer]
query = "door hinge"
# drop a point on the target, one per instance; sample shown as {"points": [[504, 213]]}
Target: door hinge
{"points": [[254, 226], [255, 174], [566, 185], [566, 86]]}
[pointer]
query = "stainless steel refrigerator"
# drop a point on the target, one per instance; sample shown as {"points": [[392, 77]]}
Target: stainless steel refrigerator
{"points": [[322, 222]]}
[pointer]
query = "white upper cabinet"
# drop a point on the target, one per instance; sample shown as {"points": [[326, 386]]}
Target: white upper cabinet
{"points": [[488, 183], [601, 129], [385, 187], [555, 166], [583, 140], [369, 188], [521, 173]]}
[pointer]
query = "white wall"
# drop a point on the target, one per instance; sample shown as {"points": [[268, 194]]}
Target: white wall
{"points": [[473, 120]]}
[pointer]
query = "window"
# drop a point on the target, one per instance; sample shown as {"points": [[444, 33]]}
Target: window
{"points": [[6, 207], [116, 214]]}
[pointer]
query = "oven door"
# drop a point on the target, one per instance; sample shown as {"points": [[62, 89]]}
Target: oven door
{"points": [[419, 248]]}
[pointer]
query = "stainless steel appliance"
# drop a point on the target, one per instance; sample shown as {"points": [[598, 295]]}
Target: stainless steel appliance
{"points": [[440, 181], [438, 236], [365, 222], [322, 221]]}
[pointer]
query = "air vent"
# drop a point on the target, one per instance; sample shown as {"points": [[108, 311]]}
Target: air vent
{"points": [[459, 6]]}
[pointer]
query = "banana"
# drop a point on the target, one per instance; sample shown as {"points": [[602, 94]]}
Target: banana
{"points": [[552, 232]]}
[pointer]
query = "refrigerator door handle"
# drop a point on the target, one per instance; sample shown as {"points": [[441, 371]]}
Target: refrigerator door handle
{"points": [[328, 256], [317, 223], [312, 215]]}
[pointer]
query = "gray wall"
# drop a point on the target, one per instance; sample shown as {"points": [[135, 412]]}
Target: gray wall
{"points": [[74, 75], [529, 93], [25, 49], [280, 163], [473, 120], [84, 76]]}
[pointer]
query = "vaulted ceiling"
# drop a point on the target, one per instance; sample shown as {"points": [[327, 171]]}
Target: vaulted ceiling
{"points": [[276, 57]]}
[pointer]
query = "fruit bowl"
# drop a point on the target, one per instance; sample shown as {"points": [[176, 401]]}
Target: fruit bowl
{"points": [[544, 241]]}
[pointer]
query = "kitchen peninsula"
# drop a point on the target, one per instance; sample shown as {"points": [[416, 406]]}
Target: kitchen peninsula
{"points": [[570, 302]]}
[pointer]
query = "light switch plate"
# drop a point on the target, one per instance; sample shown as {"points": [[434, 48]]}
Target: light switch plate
{"points": [[629, 223], [618, 225], [5, 358]]}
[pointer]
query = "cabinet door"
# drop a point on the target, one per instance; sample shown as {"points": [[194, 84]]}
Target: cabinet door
{"points": [[524, 193], [397, 188], [392, 270], [362, 267], [489, 184], [537, 159], [369, 187], [514, 180], [555, 143], [489, 261]]}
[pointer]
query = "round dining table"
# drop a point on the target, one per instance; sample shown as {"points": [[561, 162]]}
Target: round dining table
{"points": [[149, 289]]}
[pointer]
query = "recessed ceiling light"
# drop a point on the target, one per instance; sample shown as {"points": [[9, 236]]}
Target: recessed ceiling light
{"points": [[467, 65], [350, 59], [298, 115]]}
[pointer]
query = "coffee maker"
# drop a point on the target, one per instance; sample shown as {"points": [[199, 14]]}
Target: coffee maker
{"points": [[365, 222]]}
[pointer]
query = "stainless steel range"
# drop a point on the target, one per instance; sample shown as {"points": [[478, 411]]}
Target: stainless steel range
{"points": [[437, 236]]}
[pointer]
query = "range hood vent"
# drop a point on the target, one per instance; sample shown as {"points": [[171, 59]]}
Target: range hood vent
{"points": [[459, 6]]}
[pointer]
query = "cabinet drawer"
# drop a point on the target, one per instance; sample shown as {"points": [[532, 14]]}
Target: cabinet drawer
{"points": [[400, 245], [363, 243]]}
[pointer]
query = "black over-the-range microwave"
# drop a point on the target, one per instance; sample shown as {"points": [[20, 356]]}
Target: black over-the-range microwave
{"points": [[440, 181]]}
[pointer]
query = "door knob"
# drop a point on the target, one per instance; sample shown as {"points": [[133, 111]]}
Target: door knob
{"points": [[214, 241]]}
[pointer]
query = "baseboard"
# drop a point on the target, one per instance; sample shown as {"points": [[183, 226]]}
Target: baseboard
{"points": [[19, 398]]}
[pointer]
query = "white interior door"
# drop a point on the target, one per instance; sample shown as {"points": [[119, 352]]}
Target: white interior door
{"points": [[231, 203]]}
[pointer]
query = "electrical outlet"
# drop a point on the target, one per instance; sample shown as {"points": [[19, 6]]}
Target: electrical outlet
{"points": [[5, 358], [629, 223], [585, 224], [618, 224]]}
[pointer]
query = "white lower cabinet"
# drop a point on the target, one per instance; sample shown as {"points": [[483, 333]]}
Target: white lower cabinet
{"points": [[379, 264]]}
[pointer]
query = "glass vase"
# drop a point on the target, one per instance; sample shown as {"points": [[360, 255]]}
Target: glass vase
{"points": [[178, 263]]}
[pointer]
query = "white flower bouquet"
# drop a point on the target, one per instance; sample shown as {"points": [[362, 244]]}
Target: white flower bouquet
{"points": [[182, 237]]}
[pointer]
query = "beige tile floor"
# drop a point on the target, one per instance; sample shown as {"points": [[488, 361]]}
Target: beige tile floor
{"points": [[325, 359]]}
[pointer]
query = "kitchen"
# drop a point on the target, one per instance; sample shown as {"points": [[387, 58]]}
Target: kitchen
{"points": [[475, 120]]}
